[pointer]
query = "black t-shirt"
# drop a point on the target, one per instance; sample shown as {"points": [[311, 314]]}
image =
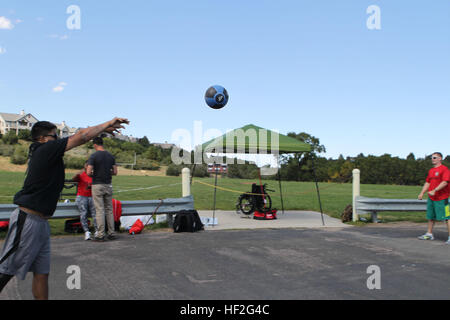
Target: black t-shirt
{"points": [[45, 178], [103, 162]]}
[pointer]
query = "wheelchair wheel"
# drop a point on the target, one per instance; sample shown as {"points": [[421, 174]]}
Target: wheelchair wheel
{"points": [[245, 204], [267, 201]]}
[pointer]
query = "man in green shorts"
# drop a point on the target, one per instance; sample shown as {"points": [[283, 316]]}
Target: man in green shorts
{"points": [[438, 186]]}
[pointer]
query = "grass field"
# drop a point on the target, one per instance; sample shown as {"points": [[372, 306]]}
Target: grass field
{"points": [[296, 195]]}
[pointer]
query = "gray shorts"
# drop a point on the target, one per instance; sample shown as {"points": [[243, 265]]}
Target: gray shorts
{"points": [[27, 246]]}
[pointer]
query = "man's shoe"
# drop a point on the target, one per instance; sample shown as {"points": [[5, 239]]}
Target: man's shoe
{"points": [[87, 236], [99, 239], [448, 241], [111, 237], [426, 236]]}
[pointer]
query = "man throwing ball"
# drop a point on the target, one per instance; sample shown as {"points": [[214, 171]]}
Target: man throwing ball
{"points": [[437, 185], [27, 244]]}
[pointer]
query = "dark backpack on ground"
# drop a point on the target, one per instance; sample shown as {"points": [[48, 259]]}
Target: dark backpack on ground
{"points": [[187, 221], [347, 215], [74, 226]]}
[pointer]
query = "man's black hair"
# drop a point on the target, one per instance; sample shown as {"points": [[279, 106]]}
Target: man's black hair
{"points": [[40, 129], [98, 141], [439, 154]]}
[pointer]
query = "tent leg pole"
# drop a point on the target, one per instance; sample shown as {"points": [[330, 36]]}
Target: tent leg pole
{"points": [[192, 173], [215, 191], [317, 188], [281, 192]]}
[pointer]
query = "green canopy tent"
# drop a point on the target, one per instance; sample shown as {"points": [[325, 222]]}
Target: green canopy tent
{"points": [[252, 139]]}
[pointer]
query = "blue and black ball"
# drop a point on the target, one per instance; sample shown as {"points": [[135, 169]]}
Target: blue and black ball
{"points": [[216, 97]]}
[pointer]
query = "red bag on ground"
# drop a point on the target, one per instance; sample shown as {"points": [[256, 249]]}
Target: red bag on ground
{"points": [[4, 225], [117, 210], [267, 215], [137, 227]]}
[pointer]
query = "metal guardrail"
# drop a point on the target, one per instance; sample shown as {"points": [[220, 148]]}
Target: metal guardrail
{"points": [[129, 208], [366, 205]]}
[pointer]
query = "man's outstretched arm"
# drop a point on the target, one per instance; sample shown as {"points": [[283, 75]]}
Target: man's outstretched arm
{"points": [[85, 135]]}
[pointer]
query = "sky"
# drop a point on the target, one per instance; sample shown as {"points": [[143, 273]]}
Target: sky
{"points": [[327, 68]]}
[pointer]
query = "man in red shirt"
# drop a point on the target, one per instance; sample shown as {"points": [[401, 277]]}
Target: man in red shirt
{"points": [[437, 185], [84, 200]]}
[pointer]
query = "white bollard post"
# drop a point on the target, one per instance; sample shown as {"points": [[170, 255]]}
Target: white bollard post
{"points": [[185, 189], [186, 182], [356, 191]]}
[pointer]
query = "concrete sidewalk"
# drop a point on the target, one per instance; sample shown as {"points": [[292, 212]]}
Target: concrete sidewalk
{"points": [[227, 220]]}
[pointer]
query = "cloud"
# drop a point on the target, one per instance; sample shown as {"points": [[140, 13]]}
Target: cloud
{"points": [[56, 36], [2, 50], [5, 24], [60, 87]]}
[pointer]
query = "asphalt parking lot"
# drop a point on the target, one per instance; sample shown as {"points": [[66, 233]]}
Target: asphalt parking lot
{"points": [[272, 263]]}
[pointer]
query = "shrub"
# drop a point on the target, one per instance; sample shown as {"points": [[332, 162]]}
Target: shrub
{"points": [[123, 156], [74, 162], [243, 171], [20, 155], [201, 171], [10, 138], [145, 164], [6, 150], [25, 135], [173, 170]]}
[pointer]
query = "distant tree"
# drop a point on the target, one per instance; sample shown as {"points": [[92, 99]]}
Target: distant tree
{"points": [[447, 159], [300, 166], [243, 171], [309, 139], [144, 142], [153, 153], [131, 146]]}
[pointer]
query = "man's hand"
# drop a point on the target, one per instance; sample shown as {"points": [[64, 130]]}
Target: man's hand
{"points": [[420, 197], [90, 170], [432, 193], [116, 124]]}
